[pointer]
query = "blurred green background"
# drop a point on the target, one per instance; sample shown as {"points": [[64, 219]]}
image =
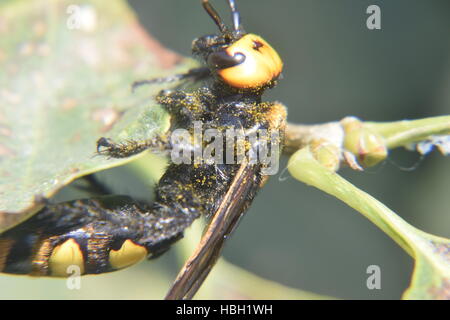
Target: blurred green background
{"points": [[334, 67]]}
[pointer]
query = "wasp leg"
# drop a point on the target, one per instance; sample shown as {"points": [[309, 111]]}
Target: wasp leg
{"points": [[195, 74], [128, 148], [90, 184]]}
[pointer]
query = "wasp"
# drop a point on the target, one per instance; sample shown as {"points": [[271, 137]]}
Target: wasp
{"points": [[107, 234]]}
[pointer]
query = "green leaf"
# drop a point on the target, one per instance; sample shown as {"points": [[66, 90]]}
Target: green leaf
{"points": [[66, 73], [431, 278]]}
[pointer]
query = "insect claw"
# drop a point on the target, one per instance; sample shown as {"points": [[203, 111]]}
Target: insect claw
{"points": [[103, 142]]}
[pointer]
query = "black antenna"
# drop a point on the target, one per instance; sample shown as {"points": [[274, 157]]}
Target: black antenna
{"points": [[214, 15], [235, 15]]}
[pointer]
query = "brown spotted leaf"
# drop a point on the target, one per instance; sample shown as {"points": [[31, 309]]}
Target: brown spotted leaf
{"points": [[431, 277], [65, 73]]}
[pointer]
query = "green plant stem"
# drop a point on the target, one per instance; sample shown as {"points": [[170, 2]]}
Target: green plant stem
{"points": [[402, 133]]}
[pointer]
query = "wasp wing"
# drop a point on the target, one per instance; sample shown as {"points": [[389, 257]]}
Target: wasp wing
{"points": [[223, 222]]}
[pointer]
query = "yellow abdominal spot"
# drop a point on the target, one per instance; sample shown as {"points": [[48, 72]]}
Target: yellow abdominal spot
{"points": [[129, 254], [65, 255]]}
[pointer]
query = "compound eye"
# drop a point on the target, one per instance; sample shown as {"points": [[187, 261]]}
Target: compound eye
{"points": [[260, 66], [222, 60]]}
